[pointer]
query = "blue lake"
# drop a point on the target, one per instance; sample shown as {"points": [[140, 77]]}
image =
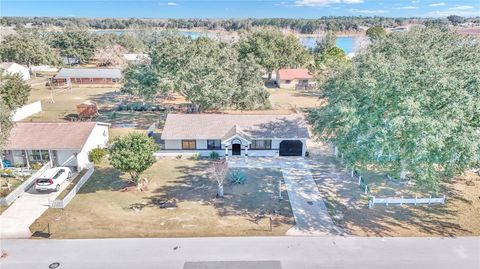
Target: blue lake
{"points": [[347, 43]]}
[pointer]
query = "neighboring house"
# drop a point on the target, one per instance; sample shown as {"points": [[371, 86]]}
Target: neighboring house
{"points": [[14, 68], [136, 58], [88, 76], [299, 79], [242, 135], [62, 143]]}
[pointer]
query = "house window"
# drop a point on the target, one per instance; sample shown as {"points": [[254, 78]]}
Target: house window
{"points": [[288, 81], [114, 80], [214, 144], [38, 155], [261, 144], [91, 80], [189, 144]]}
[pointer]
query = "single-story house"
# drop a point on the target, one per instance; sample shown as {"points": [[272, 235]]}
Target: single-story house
{"points": [[61, 143], [88, 76], [299, 79], [242, 135], [10, 68]]}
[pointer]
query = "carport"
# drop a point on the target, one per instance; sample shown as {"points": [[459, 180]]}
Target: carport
{"points": [[291, 148]]}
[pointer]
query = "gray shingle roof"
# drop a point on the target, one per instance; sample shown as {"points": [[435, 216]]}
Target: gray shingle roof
{"points": [[218, 126], [89, 73]]}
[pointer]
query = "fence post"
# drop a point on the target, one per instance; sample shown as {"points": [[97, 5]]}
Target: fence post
{"points": [[443, 202], [359, 180], [366, 189], [341, 159], [401, 200], [415, 200], [429, 199], [352, 172], [335, 151]]}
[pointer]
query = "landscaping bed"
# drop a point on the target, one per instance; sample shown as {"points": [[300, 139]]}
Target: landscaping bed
{"points": [[180, 201]]}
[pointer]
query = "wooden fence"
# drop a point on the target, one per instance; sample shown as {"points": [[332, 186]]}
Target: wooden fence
{"points": [[27, 184], [401, 201], [64, 202]]}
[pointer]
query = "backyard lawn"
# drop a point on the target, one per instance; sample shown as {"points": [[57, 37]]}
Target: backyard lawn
{"points": [[180, 201], [348, 205]]}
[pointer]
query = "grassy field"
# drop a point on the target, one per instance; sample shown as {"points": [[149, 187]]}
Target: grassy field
{"points": [[107, 207]]}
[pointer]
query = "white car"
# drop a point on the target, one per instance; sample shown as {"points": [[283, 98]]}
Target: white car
{"points": [[51, 179]]}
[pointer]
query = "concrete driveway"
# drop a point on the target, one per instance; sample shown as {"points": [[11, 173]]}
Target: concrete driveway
{"points": [[16, 220], [309, 210]]}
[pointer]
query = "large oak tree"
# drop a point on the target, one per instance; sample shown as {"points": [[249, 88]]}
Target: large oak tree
{"points": [[409, 104]]}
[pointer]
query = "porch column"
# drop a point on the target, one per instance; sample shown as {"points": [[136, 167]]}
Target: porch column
{"points": [[50, 157], [26, 157], [246, 151], [1, 161], [226, 151]]}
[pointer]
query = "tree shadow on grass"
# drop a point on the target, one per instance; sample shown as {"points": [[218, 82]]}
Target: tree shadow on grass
{"points": [[256, 199], [345, 198], [105, 178]]}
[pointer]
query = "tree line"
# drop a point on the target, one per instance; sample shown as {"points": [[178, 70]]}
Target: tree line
{"points": [[305, 26]]}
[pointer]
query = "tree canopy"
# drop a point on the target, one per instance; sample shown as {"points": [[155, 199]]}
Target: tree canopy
{"points": [[14, 93], [27, 48], [376, 33], [408, 104], [273, 49], [206, 71], [133, 154], [76, 43]]}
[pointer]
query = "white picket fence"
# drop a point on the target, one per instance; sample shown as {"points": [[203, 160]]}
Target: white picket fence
{"points": [[27, 184], [64, 202], [401, 201], [361, 182]]}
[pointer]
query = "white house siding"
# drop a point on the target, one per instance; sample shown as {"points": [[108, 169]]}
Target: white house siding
{"points": [[98, 139], [287, 85], [174, 148]]}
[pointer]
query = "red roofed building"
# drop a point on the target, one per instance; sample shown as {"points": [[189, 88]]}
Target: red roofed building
{"points": [[299, 79]]}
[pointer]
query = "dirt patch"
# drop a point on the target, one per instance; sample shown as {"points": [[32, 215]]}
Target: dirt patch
{"points": [[180, 201]]}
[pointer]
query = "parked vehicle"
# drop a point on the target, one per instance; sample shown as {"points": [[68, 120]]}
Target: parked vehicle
{"points": [[51, 179]]}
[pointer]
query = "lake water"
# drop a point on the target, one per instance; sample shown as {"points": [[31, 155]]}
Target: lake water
{"points": [[347, 43]]}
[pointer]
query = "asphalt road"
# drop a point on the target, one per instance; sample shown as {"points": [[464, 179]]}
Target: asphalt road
{"points": [[245, 252]]}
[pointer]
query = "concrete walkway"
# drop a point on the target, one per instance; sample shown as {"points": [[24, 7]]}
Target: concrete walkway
{"points": [[309, 210], [16, 220]]}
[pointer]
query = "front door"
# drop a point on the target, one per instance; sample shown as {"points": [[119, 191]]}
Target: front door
{"points": [[236, 149]]}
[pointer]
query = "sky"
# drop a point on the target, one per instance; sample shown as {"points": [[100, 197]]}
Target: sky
{"points": [[238, 8]]}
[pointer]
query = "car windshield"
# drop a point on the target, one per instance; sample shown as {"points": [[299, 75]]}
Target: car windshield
{"points": [[43, 180]]}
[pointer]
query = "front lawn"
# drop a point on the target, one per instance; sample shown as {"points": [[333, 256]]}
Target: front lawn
{"points": [[180, 201]]}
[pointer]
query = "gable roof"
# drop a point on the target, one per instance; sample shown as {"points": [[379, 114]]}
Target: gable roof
{"points": [[289, 74], [89, 73], [224, 126], [8, 65], [49, 135]]}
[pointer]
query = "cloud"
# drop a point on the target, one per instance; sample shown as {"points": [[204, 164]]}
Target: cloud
{"points": [[171, 4], [368, 11], [457, 10], [415, 1], [461, 8], [407, 7], [437, 4], [321, 3]]}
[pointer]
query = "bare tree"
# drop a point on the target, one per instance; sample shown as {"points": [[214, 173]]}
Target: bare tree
{"points": [[110, 55], [219, 170]]}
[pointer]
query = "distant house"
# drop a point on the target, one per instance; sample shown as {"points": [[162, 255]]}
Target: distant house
{"points": [[88, 76], [14, 68], [299, 79], [62, 143], [241, 135], [39, 70], [70, 60]]}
